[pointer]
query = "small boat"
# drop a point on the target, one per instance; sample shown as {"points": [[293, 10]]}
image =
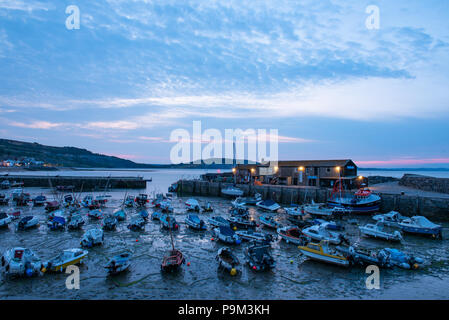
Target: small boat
{"points": [[330, 225], [92, 238], [110, 222], [67, 258], [294, 210], [268, 205], [76, 221], [52, 206], [208, 208], [129, 201], [320, 232], [173, 187], [239, 203], [269, 222], [119, 214], [28, 222], [399, 259], [226, 235], [252, 201], [39, 200], [5, 184], [172, 261], [193, 204], [194, 222], [300, 221], [158, 200], [232, 192], [143, 213], [118, 264], [88, 200], [156, 215], [22, 199], [391, 219], [57, 223], [68, 200], [321, 252], [227, 261], [324, 210], [102, 199], [259, 258], [420, 225], [259, 237], [363, 201], [95, 214], [5, 220], [137, 223], [168, 222], [14, 213], [141, 200], [218, 221], [59, 213], [242, 212], [242, 222], [292, 234], [21, 262], [166, 206], [16, 193], [378, 231], [4, 200]]}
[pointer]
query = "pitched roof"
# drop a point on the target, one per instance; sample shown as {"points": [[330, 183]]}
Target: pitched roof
{"points": [[305, 163]]}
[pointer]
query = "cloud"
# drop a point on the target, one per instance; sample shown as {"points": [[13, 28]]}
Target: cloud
{"points": [[28, 5], [36, 125]]}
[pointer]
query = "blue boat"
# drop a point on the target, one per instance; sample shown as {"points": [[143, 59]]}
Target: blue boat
{"points": [[194, 222], [218, 221], [419, 225], [118, 264], [144, 214], [270, 222], [110, 222], [168, 222], [329, 225], [95, 214], [156, 215], [119, 214], [227, 235], [57, 223], [137, 223]]}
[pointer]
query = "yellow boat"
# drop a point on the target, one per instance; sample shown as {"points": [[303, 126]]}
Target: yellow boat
{"points": [[66, 258], [322, 252]]}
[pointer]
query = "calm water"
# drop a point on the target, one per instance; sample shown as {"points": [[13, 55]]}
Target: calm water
{"points": [[293, 278]]}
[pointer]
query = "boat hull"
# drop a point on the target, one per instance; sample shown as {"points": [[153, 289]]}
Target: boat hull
{"points": [[325, 258]]}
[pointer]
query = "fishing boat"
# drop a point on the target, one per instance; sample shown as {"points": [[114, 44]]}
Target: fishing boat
{"points": [[227, 261], [110, 222], [378, 231], [28, 222], [329, 225], [57, 223], [218, 221], [242, 222], [95, 214], [173, 261], [268, 205], [226, 235], [363, 201], [300, 221], [92, 237], [143, 213], [129, 201], [208, 208], [391, 219], [5, 220], [242, 212], [14, 213], [168, 222], [4, 200], [193, 205], [76, 221], [156, 202], [66, 258], [156, 215], [194, 222], [269, 222], [19, 262], [258, 257], [39, 200], [102, 199], [294, 210], [420, 225], [119, 214], [141, 200], [166, 206], [52, 206], [68, 200], [118, 264], [320, 232], [324, 210], [323, 253], [137, 223], [232, 192], [22, 199], [252, 201], [88, 200], [259, 237], [292, 234]]}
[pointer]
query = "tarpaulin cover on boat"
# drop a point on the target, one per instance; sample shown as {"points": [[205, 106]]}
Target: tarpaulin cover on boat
{"points": [[226, 231], [422, 221]]}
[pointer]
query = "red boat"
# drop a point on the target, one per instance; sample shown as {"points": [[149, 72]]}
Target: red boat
{"points": [[52, 206], [173, 261]]}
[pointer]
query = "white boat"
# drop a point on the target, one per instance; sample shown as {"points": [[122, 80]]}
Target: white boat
{"points": [[294, 211], [320, 232], [239, 202], [5, 184], [166, 206], [119, 263], [5, 220], [66, 258], [28, 222], [193, 204], [392, 218], [232, 191], [227, 235], [291, 234], [420, 225], [324, 210], [92, 237], [253, 200], [21, 262], [377, 231], [76, 221], [268, 205], [321, 252]]}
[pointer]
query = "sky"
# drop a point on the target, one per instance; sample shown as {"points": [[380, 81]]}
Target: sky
{"points": [[136, 70]]}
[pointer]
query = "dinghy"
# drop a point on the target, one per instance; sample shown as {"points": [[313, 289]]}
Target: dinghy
{"points": [[218, 221], [28, 222], [321, 252], [226, 235], [110, 222], [168, 222], [95, 214], [391, 219], [143, 213], [378, 231], [5, 220], [193, 205], [294, 211], [92, 237], [67, 258], [52, 206], [173, 261], [76, 221], [156, 215], [227, 261], [137, 223], [39, 200], [194, 222], [19, 262], [292, 234], [259, 258], [119, 214], [57, 223], [420, 225], [269, 222], [268, 205], [259, 237], [119, 263], [232, 192], [320, 232], [242, 222]]}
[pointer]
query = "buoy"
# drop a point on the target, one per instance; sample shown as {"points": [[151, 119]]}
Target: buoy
{"points": [[235, 228], [44, 270], [211, 239], [137, 240], [291, 261], [188, 264], [233, 272], [415, 266], [255, 268]]}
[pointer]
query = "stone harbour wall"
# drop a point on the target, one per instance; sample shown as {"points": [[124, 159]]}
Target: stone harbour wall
{"points": [[425, 183]]}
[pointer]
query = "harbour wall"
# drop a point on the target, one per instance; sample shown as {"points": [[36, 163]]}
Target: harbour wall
{"points": [[88, 183], [425, 183], [430, 207]]}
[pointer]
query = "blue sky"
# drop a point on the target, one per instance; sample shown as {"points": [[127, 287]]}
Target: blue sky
{"points": [[136, 70]]}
